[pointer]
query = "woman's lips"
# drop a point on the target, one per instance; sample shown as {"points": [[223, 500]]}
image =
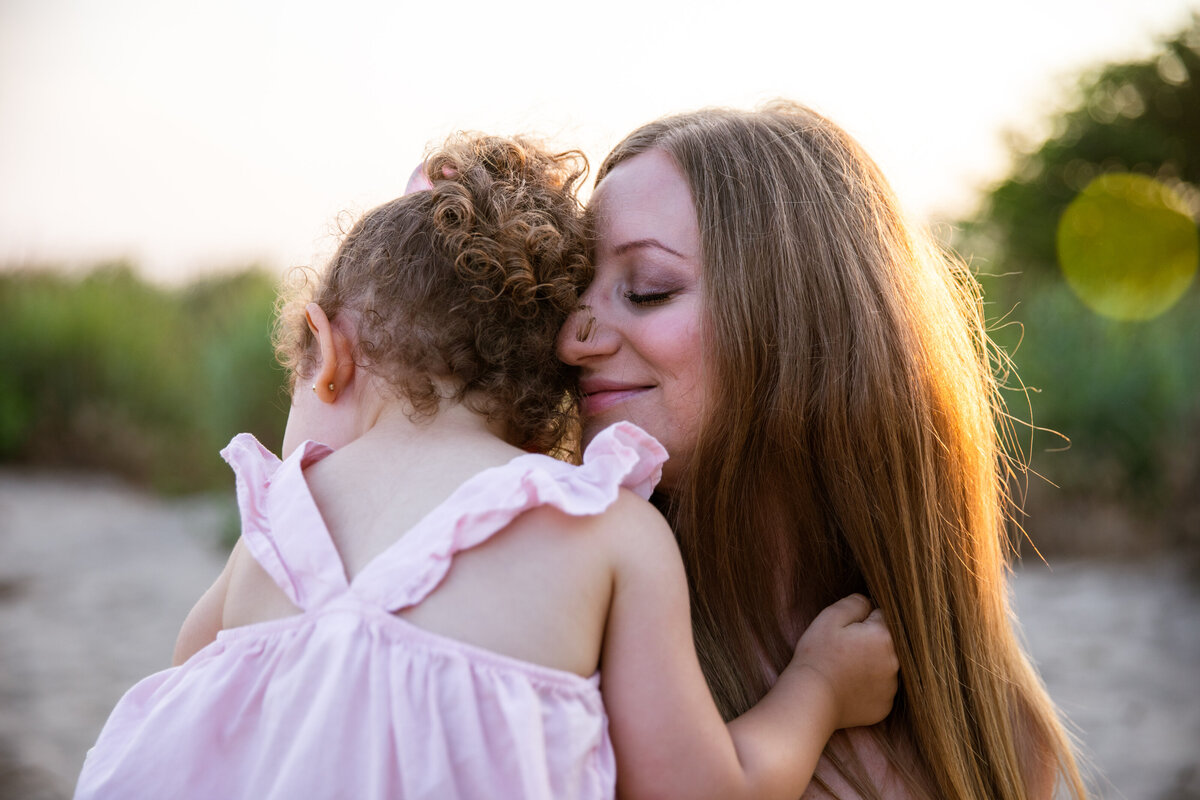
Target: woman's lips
{"points": [[599, 401]]}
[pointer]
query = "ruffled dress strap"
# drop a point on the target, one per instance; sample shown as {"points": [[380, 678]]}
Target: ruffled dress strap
{"points": [[281, 526], [620, 456]]}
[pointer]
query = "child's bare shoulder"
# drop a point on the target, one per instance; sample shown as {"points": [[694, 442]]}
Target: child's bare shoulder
{"points": [[629, 521], [630, 536], [632, 517]]}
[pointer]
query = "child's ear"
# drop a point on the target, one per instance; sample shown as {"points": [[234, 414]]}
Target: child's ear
{"points": [[336, 369]]}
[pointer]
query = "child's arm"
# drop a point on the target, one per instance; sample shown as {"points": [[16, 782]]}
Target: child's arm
{"points": [[669, 738], [204, 621], [845, 667]]}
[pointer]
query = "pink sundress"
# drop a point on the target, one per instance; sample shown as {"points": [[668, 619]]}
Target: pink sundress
{"points": [[346, 700]]}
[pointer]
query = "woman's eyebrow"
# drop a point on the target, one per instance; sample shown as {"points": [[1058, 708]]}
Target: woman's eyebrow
{"points": [[636, 243]]}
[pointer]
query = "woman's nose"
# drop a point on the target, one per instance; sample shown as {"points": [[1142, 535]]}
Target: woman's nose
{"points": [[581, 337]]}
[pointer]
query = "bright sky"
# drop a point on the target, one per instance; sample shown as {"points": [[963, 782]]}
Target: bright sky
{"points": [[198, 136]]}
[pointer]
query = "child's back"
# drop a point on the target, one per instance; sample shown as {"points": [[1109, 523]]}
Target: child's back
{"points": [[396, 683], [369, 498]]}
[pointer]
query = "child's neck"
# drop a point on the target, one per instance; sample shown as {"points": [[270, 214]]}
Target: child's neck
{"points": [[455, 434], [365, 419], [381, 482], [453, 422]]}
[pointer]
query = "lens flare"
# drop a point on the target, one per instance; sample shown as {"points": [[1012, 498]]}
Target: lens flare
{"points": [[1128, 246]]}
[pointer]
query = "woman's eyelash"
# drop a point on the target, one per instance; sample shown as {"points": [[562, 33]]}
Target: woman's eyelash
{"points": [[649, 299]]}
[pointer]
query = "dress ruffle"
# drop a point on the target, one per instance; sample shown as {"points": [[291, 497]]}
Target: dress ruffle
{"points": [[620, 456]]}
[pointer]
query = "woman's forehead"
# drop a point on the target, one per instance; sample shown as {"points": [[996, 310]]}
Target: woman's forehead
{"points": [[646, 197]]}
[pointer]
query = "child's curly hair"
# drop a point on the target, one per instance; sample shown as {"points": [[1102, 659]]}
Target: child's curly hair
{"points": [[470, 280]]}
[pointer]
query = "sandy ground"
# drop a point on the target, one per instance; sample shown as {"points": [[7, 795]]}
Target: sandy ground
{"points": [[95, 579]]}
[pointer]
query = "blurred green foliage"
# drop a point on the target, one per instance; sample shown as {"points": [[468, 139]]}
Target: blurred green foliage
{"points": [[1141, 117], [1126, 394], [109, 371]]}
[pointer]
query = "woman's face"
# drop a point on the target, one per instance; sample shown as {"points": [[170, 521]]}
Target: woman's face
{"points": [[644, 360]]}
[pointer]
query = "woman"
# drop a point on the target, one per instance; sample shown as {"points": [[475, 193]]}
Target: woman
{"points": [[821, 376]]}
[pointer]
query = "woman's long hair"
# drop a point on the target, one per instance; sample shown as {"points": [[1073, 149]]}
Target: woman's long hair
{"points": [[852, 443]]}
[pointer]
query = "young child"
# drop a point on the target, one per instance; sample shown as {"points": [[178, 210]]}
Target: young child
{"points": [[421, 607]]}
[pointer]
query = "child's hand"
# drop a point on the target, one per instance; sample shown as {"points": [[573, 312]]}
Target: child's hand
{"points": [[849, 649]]}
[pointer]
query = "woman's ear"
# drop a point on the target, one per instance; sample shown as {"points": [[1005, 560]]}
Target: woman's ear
{"points": [[336, 369]]}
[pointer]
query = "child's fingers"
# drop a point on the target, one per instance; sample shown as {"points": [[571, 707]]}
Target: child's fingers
{"points": [[875, 618], [848, 610]]}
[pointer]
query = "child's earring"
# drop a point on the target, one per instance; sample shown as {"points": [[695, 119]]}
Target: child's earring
{"points": [[332, 388]]}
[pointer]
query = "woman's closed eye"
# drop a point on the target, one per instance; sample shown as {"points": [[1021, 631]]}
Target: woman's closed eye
{"points": [[648, 298]]}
